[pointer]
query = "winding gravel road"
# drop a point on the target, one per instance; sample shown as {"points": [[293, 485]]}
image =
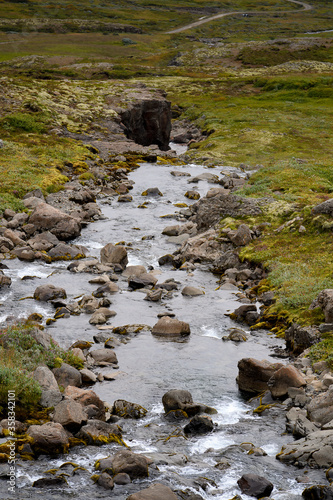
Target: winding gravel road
{"points": [[306, 6]]}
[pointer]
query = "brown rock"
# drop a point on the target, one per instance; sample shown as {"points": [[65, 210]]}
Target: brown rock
{"points": [[47, 218], [49, 438], [114, 254], [170, 327], [86, 397], [283, 378], [49, 292], [104, 356], [253, 375]]}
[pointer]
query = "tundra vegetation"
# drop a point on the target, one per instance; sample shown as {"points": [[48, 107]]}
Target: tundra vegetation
{"points": [[258, 83]]}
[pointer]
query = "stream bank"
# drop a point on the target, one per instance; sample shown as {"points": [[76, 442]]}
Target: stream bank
{"points": [[149, 366]]}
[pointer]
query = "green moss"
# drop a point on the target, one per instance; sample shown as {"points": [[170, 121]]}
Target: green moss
{"points": [[323, 351]]}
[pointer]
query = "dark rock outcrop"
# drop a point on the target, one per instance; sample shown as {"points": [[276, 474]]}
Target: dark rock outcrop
{"points": [[299, 338], [148, 121]]}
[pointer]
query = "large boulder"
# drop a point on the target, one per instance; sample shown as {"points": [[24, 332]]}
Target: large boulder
{"points": [[114, 254], [209, 211], [297, 423], [45, 293], [134, 271], [64, 251], [97, 433], [148, 121], [47, 218], [253, 375], [170, 327], [179, 399], [51, 394], [283, 378], [154, 492], [70, 415], [86, 398], [255, 486], [50, 438], [67, 375], [136, 466]]}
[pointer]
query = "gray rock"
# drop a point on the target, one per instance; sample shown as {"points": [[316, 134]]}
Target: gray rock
{"points": [[125, 461], [105, 481], [297, 423], [316, 450], [199, 424], [43, 241], [104, 356], [320, 409], [67, 375], [134, 271], [70, 415], [255, 486], [178, 399], [242, 236]]}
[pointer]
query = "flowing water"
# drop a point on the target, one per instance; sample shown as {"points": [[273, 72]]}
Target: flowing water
{"points": [[148, 366]]}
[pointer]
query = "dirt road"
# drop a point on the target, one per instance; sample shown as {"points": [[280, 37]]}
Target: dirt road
{"points": [[305, 6]]}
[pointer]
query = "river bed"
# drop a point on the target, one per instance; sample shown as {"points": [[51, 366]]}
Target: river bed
{"points": [[148, 366]]}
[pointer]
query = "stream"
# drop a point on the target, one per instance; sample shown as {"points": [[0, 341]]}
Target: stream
{"points": [[148, 366]]}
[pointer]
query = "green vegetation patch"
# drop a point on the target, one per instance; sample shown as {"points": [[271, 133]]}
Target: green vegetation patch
{"points": [[323, 351], [20, 354]]}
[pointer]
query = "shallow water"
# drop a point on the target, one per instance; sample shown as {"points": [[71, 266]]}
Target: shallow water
{"points": [[148, 366]]}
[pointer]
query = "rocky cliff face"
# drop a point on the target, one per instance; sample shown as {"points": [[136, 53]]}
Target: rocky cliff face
{"points": [[148, 121]]}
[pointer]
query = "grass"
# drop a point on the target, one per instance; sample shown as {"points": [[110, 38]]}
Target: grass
{"points": [[20, 354]]}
